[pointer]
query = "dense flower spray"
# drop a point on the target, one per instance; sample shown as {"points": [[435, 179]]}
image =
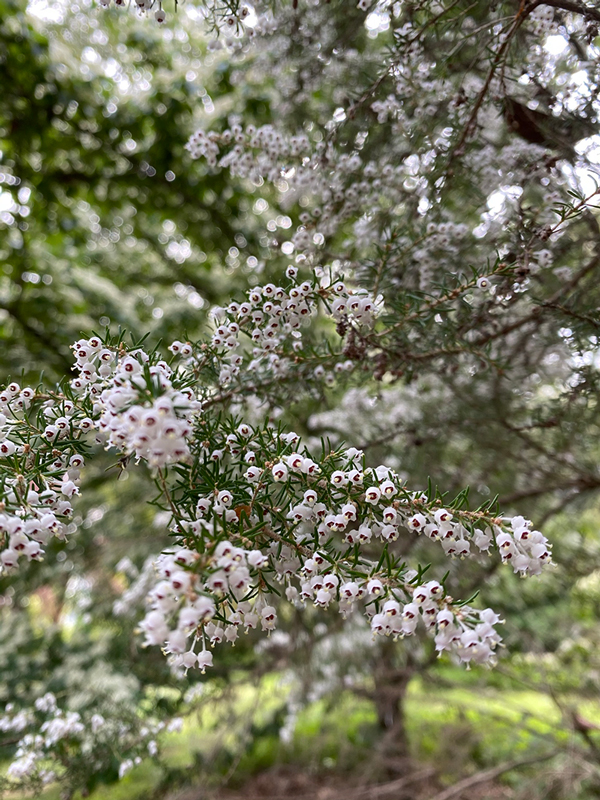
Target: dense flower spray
{"points": [[256, 516]]}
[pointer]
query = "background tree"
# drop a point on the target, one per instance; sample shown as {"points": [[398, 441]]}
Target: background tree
{"points": [[429, 151]]}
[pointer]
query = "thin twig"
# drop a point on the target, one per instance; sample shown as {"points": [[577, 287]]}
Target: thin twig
{"points": [[488, 775], [468, 129]]}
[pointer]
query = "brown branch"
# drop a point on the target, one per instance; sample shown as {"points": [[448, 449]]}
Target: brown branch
{"points": [[568, 313], [537, 311], [487, 775], [365, 793], [533, 316], [575, 8], [580, 484], [557, 508], [368, 93], [550, 454], [468, 129]]}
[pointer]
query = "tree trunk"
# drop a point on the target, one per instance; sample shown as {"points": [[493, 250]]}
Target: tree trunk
{"points": [[391, 683]]}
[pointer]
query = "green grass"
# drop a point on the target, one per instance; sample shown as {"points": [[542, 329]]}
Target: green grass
{"points": [[457, 727], [489, 724]]}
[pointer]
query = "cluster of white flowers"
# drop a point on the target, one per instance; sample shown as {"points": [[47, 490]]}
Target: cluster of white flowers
{"points": [[143, 6], [271, 144], [228, 573], [51, 727], [333, 179], [32, 513], [323, 548], [15, 720], [336, 179], [442, 244], [225, 20], [31, 756], [475, 642], [185, 626], [318, 526], [272, 319], [342, 185], [526, 550], [204, 596], [541, 20], [140, 412]]}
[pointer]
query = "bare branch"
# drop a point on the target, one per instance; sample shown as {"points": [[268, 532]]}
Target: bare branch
{"points": [[487, 775]]}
